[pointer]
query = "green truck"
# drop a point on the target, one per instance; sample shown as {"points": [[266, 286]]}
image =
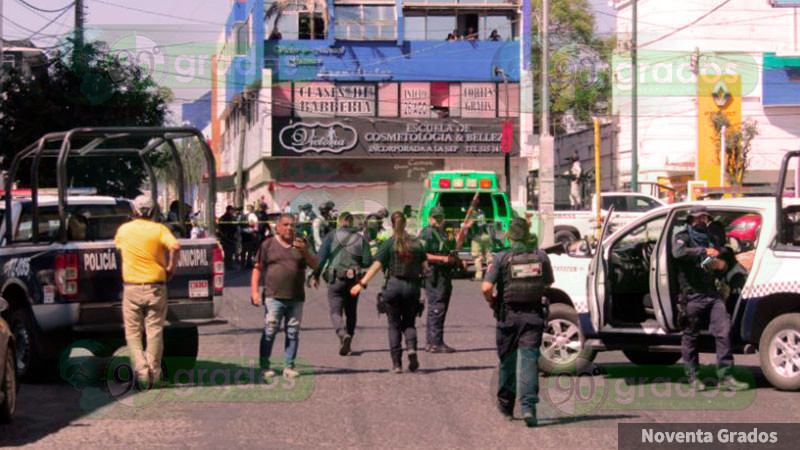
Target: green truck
{"points": [[454, 190]]}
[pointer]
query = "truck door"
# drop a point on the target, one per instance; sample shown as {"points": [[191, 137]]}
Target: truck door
{"points": [[596, 281]]}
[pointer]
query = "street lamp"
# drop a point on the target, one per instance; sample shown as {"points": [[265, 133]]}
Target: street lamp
{"points": [[499, 71]]}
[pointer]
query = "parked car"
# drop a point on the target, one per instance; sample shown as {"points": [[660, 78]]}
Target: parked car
{"points": [[744, 230], [8, 370]]}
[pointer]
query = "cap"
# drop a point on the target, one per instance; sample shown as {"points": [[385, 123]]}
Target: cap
{"points": [[518, 230], [143, 202], [697, 211], [329, 204], [306, 207], [436, 211]]}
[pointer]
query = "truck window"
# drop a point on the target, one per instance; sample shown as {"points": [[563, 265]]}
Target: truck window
{"points": [[620, 203], [502, 211], [84, 222], [454, 202], [642, 204]]}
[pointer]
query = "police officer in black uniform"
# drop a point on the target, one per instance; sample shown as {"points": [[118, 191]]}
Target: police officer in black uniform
{"points": [[343, 256], [438, 280], [521, 275], [404, 257], [701, 258]]}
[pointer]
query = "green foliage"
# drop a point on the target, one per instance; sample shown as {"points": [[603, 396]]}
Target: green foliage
{"points": [[579, 71], [738, 144], [84, 86]]}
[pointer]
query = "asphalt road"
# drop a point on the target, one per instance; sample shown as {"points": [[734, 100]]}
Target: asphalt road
{"points": [[354, 401]]}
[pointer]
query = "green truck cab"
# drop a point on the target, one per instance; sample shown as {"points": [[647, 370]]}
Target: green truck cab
{"points": [[454, 191]]}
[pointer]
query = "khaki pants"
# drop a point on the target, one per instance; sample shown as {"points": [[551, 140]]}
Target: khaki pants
{"points": [[144, 310], [481, 250]]}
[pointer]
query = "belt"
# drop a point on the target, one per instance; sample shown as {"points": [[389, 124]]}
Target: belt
{"points": [[157, 283]]}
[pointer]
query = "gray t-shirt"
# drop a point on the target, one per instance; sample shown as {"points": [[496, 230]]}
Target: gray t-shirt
{"points": [[284, 270]]}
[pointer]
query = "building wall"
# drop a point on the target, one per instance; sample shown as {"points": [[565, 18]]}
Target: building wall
{"points": [[738, 34]]}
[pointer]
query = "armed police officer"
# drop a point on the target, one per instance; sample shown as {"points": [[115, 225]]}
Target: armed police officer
{"points": [[438, 280], [344, 254], [404, 258], [701, 258], [521, 274], [321, 225]]}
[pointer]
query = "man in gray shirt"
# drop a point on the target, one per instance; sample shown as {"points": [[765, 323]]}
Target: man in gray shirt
{"points": [[283, 260]]}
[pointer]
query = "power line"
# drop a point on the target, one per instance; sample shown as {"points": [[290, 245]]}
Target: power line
{"points": [[146, 11], [725, 2], [45, 10]]}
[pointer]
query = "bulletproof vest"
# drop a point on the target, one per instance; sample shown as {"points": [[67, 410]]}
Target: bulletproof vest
{"points": [[346, 250], [411, 268], [523, 283]]}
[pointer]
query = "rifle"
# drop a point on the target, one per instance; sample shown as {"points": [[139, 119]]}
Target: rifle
{"points": [[462, 232]]}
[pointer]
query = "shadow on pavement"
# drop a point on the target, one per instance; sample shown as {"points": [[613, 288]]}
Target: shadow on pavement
{"points": [[569, 420]]}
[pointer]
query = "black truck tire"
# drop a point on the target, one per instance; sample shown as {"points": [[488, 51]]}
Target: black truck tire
{"points": [[645, 358], [777, 349], [26, 336], [181, 343], [8, 386], [565, 237], [570, 355]]}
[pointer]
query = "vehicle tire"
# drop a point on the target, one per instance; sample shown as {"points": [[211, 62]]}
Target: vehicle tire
{"points": [[565, 237], [645, 358], [779, 352], [562, 346], [181, 343], [8, 385], [25, 337]]}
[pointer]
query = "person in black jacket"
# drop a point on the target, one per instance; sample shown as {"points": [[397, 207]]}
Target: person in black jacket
{"points": [[700, 257]]}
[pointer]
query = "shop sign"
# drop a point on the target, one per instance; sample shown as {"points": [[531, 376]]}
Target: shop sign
{"points": [[316, 137]]}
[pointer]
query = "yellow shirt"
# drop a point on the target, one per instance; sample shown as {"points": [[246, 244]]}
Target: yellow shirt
{"points": [[143, 245]]}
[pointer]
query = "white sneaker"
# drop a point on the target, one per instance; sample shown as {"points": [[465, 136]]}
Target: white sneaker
{"points": [[268, 375], [290, 373]]}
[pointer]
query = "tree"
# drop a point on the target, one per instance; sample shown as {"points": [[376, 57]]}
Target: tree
{"points": [[85, 86], [738, 143], [579, 70], [280, 7]]}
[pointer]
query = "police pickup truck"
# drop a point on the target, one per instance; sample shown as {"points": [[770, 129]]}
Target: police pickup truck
{"points": [[623, 295], [61, 274]]}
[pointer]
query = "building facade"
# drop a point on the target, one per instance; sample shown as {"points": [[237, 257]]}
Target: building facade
{"points": [[697, 63], [355, 101]]}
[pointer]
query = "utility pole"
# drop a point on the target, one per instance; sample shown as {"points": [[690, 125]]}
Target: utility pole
{"points": [[635, 100], [547, 181], [79, 22], [239, 195], [597, 179]]}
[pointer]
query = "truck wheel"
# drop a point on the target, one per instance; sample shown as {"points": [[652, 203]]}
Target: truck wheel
{"points": [[180, 348], [645, 358], [565, 237], [9, 388], [779, 351], [562, 346], [25, 336]]}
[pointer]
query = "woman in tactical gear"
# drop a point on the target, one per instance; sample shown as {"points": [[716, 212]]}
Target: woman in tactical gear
{"points": [[403, 256]]}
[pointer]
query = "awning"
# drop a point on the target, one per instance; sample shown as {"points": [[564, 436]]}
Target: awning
{"points": [[330, 185], [781, 80]]}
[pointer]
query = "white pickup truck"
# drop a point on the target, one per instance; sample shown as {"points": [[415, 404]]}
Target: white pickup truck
{"points": [[570, 226], [623, 295]]}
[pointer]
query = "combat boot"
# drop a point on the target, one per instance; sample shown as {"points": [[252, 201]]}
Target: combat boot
{"points": [[397, 362], [413, 361]]}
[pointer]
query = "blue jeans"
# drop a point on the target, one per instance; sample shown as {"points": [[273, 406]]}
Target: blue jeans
{"points": [[276, 311]]}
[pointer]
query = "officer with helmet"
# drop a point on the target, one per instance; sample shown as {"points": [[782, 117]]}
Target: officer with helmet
{"points": [[321, 225], [521, 275], [344, 256]]}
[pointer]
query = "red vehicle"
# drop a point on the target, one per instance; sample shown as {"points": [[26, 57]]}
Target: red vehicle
{"points": [[744, 229]]}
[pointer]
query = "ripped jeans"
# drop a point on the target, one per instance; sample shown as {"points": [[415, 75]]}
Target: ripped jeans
{"points": [[276, 311]]}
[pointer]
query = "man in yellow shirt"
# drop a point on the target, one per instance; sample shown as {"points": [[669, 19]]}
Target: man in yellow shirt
{"points": [[145, 271]]}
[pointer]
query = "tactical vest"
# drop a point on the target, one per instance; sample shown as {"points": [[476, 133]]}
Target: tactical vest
{"points": [[523, 283], [346, 249], [405, 269]]}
